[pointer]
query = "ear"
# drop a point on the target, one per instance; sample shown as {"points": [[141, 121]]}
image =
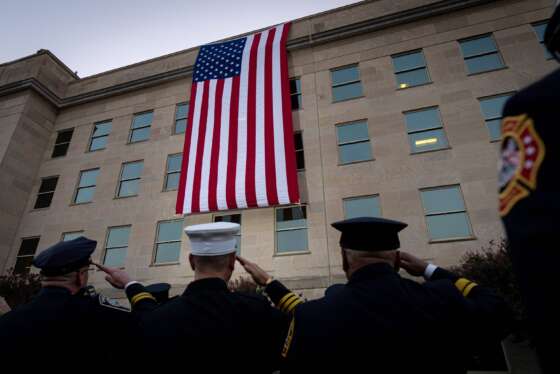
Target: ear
{"points": [[82, 278], [345, 265], [231, 262], [191, 261]]}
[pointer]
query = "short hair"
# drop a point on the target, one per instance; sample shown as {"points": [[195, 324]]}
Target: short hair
{"points": [[212, 263], [354, 255]]}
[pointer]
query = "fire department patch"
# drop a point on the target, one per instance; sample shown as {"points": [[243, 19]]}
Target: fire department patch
{"points": [[522, 155]]}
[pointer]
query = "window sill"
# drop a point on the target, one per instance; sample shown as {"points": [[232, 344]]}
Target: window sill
{"points": [[355, 162], [292, 253], [39, 209], [171, 190], [56, 157], [124, 197], [418, 85], [84, 203], [155, 265], [496, 141], [138, 141], [351, 98], [96, 150], [486, 71], [469, 238], [300, 170], [430, 151]]}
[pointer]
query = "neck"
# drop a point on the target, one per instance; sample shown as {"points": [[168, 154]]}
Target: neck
{"points": [[208, 274], [70, 287], [358, 265]]}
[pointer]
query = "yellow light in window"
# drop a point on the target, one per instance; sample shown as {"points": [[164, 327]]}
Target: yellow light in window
{"points": [[403, 85], [425, 141]]}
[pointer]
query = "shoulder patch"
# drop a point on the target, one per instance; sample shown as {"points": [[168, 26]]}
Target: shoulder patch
{"points": [[522, 153], [111, 303]]}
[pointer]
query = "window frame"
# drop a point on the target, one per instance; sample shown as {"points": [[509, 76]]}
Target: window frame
{"points": [[421, 51], [175, 119], [92, 137], [126, 180], [344, 199], [510, 94], [232, 213], [497, 51], [338, 144], [44, 193], [442, 127], [276, 230], [70, 129], [132, 129], [18, 256], [157, 243], [105, 248], [335, 85], [70, 232], [167, 172], [302, 150], [297, 93], [77, 189], [547, 55]]}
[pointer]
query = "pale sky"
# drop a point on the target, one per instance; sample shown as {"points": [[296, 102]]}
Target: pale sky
{"points": [[92, 36]]}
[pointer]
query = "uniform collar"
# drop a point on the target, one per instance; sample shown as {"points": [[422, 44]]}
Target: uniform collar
{"points": [[207, 284], [371, 271], [54, 290]]}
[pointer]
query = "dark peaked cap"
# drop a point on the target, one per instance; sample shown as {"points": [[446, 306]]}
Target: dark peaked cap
{"points": [[369, 233], [65, 257]]}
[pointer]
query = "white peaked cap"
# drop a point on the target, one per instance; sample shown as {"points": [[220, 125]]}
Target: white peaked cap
{"points": [[212, 239]]}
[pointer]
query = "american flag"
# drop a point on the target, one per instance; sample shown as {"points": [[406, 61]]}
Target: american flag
{"points": [[239, 150]]}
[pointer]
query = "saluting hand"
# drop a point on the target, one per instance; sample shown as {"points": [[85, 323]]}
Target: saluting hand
{"points": [[118, 278], [412, 264], [259, 275]]}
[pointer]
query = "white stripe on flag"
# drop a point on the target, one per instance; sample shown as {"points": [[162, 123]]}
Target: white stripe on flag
{"points": [[240, 197], [260, 171], [224, 144], [207, 151], [279, 150], [187, 207]]}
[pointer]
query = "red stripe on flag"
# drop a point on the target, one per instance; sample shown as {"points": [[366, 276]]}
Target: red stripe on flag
{"points": [[251, 125], [215, 152], [291, 171], [232, 146], [270, 167], [200, 149], [186, 148]]}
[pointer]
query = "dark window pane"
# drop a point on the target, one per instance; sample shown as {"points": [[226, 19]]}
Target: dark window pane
{"points": [[355, 152], [140, 134], [442, 200], [85, 195], [23, 264], [300, 160], [478, 46], [174, 162], [115, 257], [296, 101], [169, 231], [492, 107], [449, 226], [98, 143], [495, 129], [409, 61], [235, 218], [347, 91], [352, 132], [422, 119], [298, 141], [168, 252], [345, 75], [44, 200], [539, 30], [412, 78], [291, 240], [64, 136], [60, 150], [71, 235], [141, 120], [291, 217], [182, 111], [48, 184], [28, 247], [132, 170], [128, 188], [88, 178], [102, 129], [118, 237], [484, 63], [172, 182], [295, 86], [362, 207], [180, 126], [427, 140]]}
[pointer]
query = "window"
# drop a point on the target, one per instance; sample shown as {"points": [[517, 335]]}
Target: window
{"points": [[410, 69], [140, 130], [62, 143], [481, 54], [86, 186], [353, 142], [116, 246], [295, 93], [168, 241], [446, 215], [25, 255], [181, 113], [235, 218], [291, 229], [101, 131], [346, 83], [71, 235], [130, 177], [492, 110], [425, 130], [46, 192], [364, 206], [173, 171], [539, 30], [298, 145]]}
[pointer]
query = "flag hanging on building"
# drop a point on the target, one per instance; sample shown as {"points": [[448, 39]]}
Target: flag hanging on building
{"points": [[239, 149]]}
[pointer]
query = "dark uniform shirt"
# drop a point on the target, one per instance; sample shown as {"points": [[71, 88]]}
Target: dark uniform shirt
{"points": [[63, 331], [211, 329], [380, 322]]}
